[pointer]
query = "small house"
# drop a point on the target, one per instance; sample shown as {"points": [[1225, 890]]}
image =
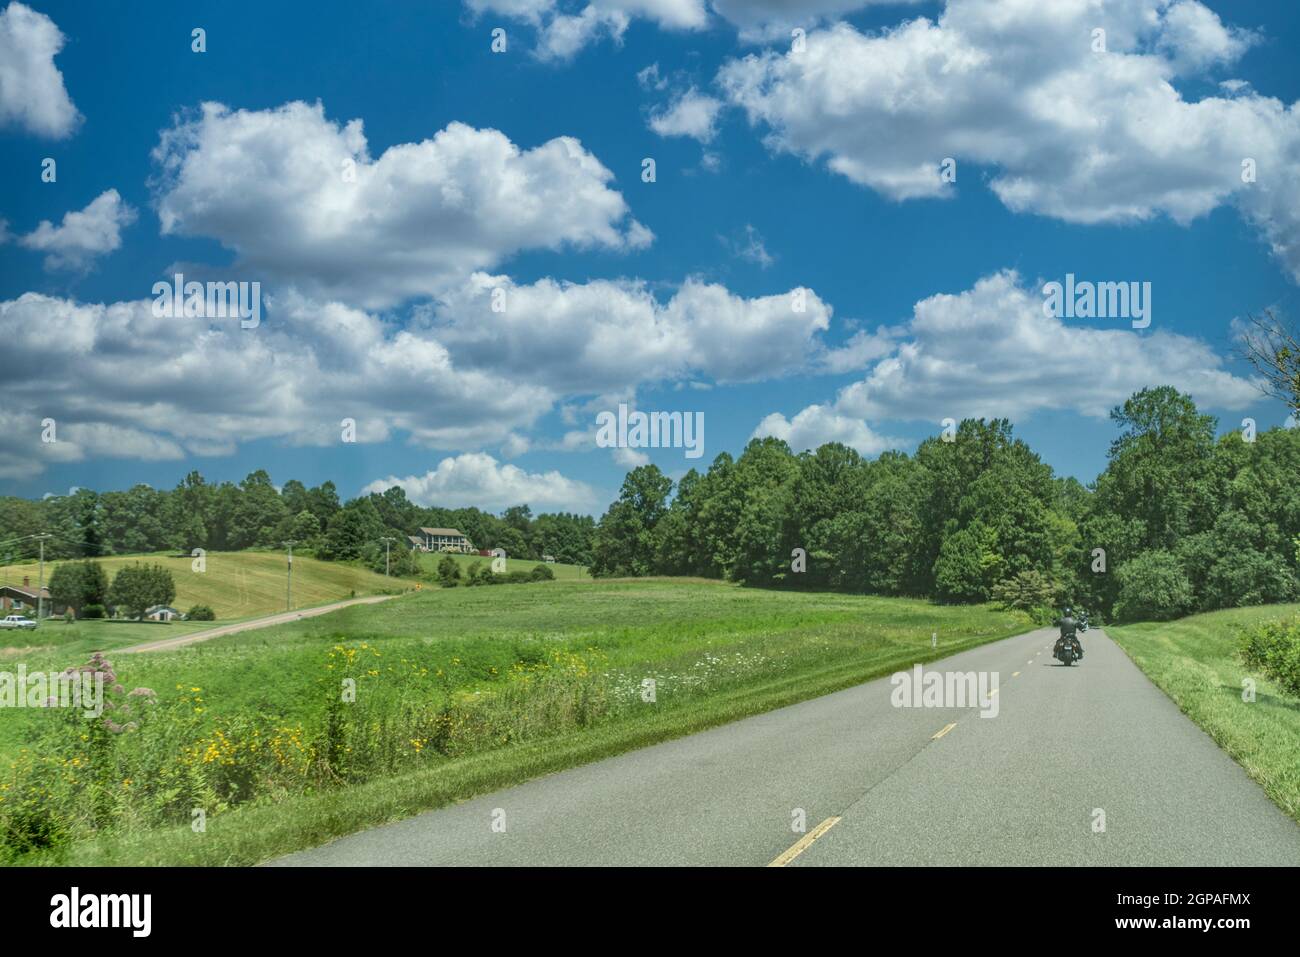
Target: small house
{"points": [[162, 613], [23, 600]]}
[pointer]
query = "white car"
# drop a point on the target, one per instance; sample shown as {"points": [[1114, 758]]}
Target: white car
{"points": [[17, 621]]}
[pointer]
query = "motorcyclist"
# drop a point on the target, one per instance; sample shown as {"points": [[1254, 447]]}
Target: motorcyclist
{"points": [[1070, 626]]}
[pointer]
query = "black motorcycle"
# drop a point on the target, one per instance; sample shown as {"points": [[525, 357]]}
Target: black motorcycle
{"points": [[1068, 649]]}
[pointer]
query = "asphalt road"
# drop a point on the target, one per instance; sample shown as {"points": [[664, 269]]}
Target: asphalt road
{"points": [[1024, 787], [170, 644]]}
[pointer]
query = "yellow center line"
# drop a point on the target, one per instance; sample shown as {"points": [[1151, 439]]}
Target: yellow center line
{"points": [[804, 842], [942, 731], [993, 692], [1015, 674]]}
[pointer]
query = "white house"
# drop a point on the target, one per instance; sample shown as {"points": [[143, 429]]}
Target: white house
{"points": [[441, 540]]}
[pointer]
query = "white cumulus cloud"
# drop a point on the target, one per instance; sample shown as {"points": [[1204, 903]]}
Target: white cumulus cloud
{"points": [[564, 27], [1017, 87], [299, 199], [451, 374], [83, 235], [991, 351], [476, 478], [816, 425], [32, 94], [604, 335], [691, 114]]}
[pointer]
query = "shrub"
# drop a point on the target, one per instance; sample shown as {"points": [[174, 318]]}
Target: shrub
{"points": [[542, 573], [1030, 591], [201, 613], [93, 611], [1273, 647], [448, 572], [31, 826], [1152, 587]]}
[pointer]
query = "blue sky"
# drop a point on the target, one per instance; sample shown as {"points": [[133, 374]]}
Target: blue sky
{"points": [[814, 169]]}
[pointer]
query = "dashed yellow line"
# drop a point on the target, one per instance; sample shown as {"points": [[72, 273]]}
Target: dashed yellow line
{"points": [[942, 731], [1015, 674], [804, 842], [994, 691]]}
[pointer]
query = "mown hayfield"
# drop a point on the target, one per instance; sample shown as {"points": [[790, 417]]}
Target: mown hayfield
{"points": [[244, 584], [457, 691], [1194, 661]]}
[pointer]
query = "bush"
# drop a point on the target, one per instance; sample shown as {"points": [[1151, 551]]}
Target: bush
{"points": [[542, 573], [31, 826], [1273, 647], [448, 572], [1030, 591], [1153, 587], [201, 613], [94, 611]]}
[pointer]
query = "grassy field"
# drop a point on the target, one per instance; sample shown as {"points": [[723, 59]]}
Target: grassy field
{"points": [[244, 584], [563, 572], [1194, 662], [78, 637], [458, 691]]}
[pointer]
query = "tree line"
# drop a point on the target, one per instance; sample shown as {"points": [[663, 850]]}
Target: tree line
{"points": [[1180, 520], [253, 513]]}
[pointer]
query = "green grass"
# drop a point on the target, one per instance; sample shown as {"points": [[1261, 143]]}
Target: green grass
{"points": [[1194, 661], [429, 561], [82, 637], [239, 585], [716, 651]]}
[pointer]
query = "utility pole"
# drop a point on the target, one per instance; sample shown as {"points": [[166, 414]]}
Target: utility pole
{"points": [[288, 588], [40, 587], [388, 544]]}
